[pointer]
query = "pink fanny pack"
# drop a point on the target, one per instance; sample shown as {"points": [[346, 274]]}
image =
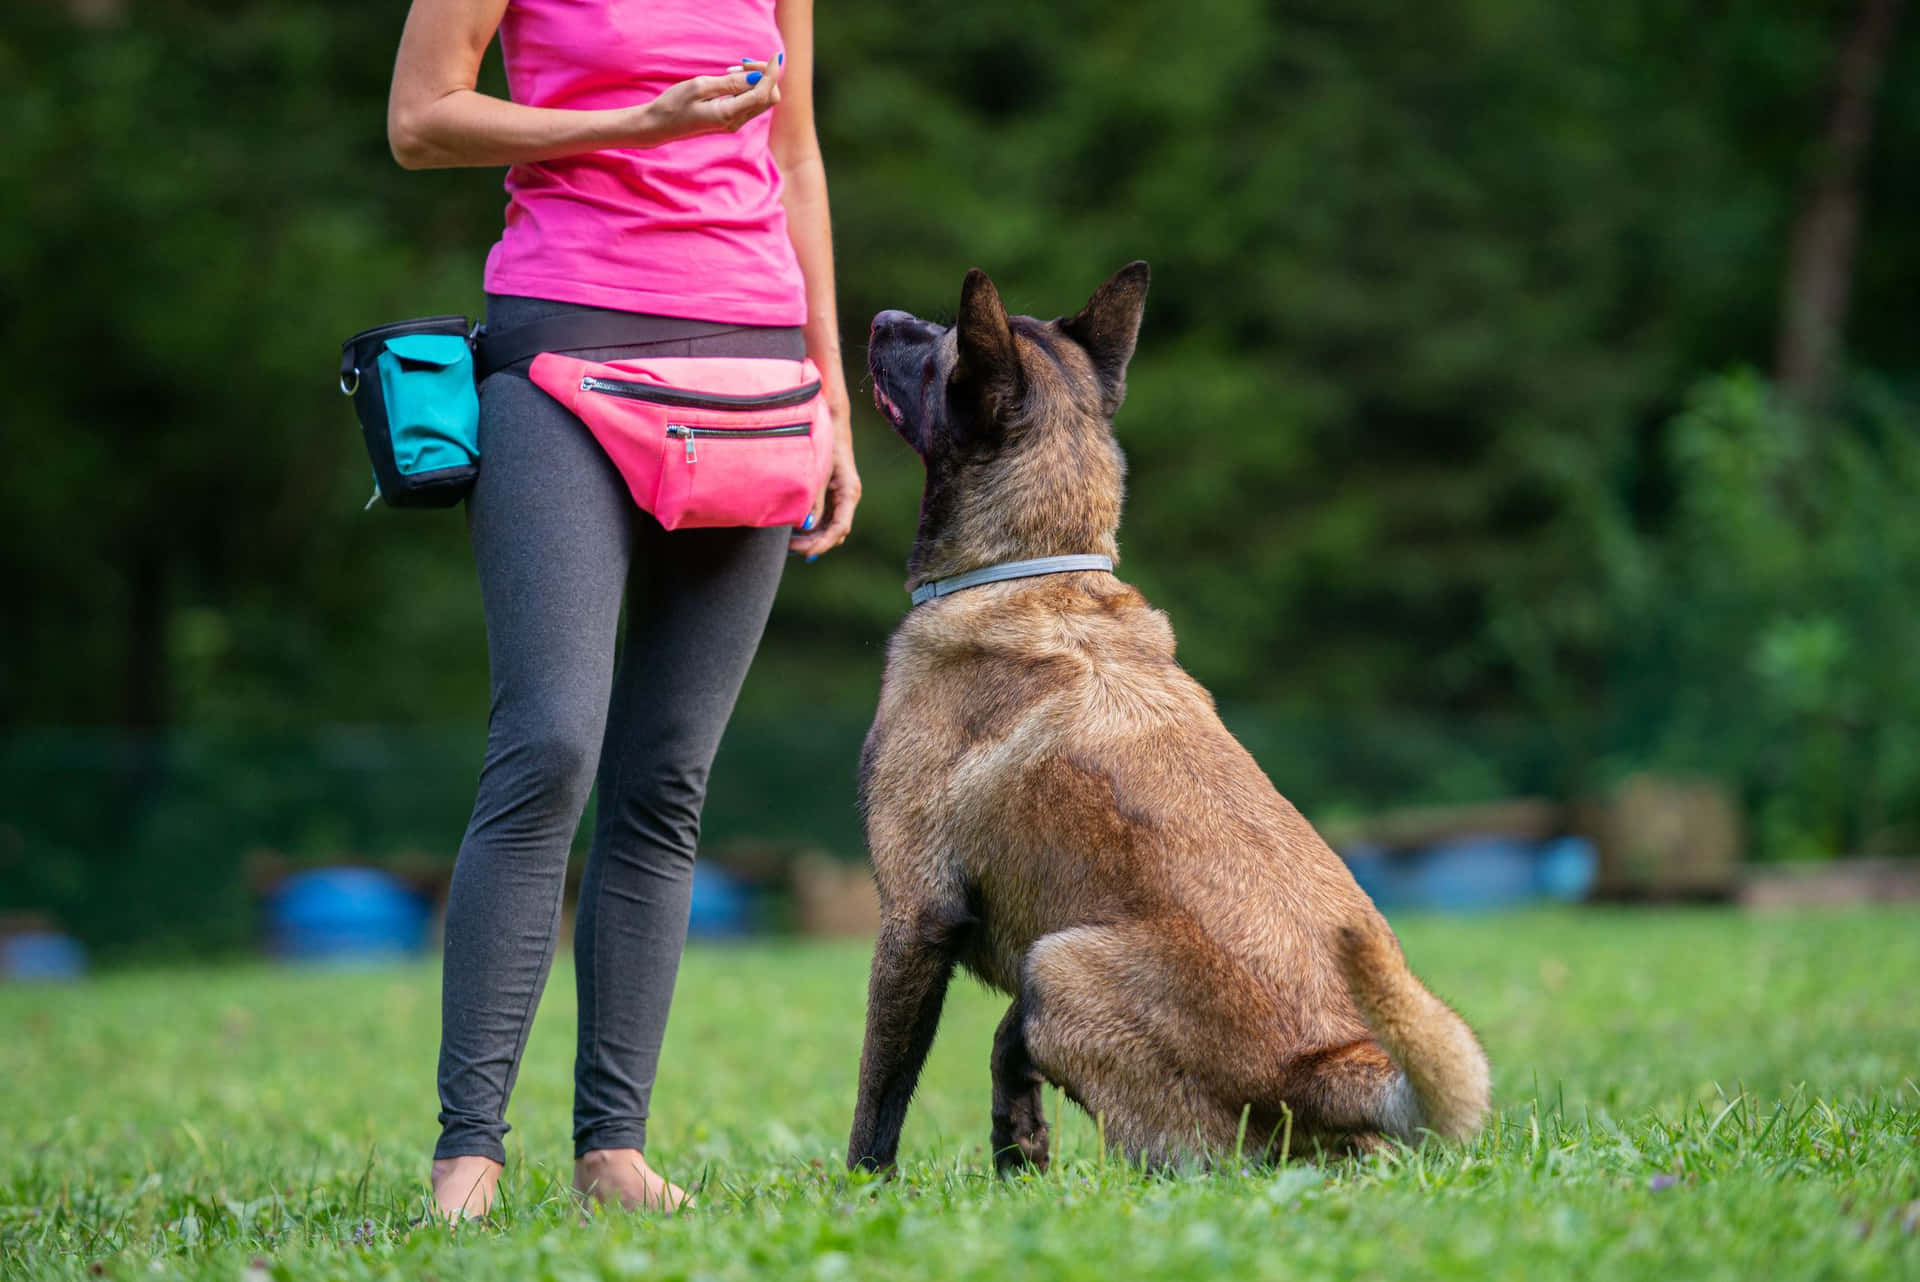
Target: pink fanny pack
{"points": [[705, 441]]}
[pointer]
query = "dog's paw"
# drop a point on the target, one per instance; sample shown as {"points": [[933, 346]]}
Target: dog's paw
{"points": [[1027, 1152]]}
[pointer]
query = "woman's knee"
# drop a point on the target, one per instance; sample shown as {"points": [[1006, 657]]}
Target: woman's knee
{"points": [[660, 809], [548, 771]]}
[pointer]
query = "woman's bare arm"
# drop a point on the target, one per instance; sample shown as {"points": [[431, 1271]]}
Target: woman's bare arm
{"points": [[437, 120], [796, 150]]}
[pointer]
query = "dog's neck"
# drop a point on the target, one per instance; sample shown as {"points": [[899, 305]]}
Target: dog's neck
{"points": [[945, 556], [1059, 495]]}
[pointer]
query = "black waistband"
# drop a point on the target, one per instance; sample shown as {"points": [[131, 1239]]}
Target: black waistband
{"points": [[578, 331]]}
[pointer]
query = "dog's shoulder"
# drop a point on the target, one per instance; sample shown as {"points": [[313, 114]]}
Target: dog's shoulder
{"points": [[1081, 656]]}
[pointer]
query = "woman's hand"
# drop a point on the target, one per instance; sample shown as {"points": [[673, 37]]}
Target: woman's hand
{"points": [[832, 514], [710, 104]]}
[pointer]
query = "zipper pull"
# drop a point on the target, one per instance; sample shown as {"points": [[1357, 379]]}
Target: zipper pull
{"points": [[676, 429], [374, 499]]}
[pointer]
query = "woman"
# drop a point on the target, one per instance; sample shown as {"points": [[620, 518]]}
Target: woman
{"points": [[650, 174]]}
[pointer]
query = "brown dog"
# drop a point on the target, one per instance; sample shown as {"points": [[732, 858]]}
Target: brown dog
{"points": [[1054, 804]]}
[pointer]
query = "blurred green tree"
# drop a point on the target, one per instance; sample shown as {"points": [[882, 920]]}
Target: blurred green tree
{"points": [[1410, 437]]}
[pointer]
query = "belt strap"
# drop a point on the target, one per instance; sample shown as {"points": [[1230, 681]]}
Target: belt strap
{"points": [[1010, 570], [577, 331]]}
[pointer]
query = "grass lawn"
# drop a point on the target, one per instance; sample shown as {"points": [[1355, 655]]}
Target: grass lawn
{"points": [[1680, 1095]]}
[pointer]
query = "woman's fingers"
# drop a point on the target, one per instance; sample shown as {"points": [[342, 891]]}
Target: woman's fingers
{"points": [[808, 533], [709, 104], [839, 525], [764, 78], [753, 87], [812, 522], [731, 85], [843, 496]]}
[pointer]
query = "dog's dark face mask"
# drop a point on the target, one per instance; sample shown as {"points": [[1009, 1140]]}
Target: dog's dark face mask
{"points": [[1012, 417]]}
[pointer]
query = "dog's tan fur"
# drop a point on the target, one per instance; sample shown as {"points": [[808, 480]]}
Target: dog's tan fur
{"points": [[1054, 803]]}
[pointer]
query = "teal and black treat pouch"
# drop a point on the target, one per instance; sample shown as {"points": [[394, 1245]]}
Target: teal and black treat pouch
{"points": [[413, 389]]}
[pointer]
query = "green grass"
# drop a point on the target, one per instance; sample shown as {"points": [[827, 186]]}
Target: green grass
{"points": [[1681, 1095]]}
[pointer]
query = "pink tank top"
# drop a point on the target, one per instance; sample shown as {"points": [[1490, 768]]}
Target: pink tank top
{"points": [[692, 228]]}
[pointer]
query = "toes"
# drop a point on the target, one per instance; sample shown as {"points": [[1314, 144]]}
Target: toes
{"points": [[1026, 1151], [1035, 1148]]}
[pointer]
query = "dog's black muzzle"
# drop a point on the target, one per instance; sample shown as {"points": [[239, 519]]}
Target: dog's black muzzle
{"points": [[898, 354]]}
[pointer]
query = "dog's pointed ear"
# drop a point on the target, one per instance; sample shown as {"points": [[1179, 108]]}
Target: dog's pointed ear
{"points": [[988, 364], [1109, 325]]}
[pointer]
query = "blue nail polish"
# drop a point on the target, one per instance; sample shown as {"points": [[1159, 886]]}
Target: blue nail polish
{"points": [[780, 60], [753, 78], [813, 558], [808, 523]]}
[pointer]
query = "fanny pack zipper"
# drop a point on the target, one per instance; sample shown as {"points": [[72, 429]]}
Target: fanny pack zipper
{"points": [[699, 400], [689, 433]]}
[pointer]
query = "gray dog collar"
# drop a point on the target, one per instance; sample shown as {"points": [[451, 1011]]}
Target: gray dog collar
{"points": [[1009, 570]]}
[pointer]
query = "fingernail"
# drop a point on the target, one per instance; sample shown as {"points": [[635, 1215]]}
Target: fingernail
{"points": [[753, 78], [813, 558], [808, 523], [779, 59]]}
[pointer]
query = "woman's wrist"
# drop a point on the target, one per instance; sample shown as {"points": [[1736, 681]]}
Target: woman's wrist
{"points": [[640, 127], [834, 390]]}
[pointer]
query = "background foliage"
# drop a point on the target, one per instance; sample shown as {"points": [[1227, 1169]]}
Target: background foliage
{"points": [[1449, 455]]}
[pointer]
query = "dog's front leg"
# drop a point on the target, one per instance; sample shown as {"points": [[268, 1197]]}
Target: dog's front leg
{"points": [[912, 961]]}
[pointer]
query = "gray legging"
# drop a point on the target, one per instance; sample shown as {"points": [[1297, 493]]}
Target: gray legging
{"points": [[556, 539]]}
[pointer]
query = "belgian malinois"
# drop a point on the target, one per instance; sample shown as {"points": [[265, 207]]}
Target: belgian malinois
{"points": [[1053, 803]]}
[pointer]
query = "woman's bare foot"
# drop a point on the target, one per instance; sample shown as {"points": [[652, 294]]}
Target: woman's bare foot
{"points": [[463, 1187], [622, 1176]]}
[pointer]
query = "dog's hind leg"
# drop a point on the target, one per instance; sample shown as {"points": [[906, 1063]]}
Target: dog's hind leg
{"points": [[1019, 1124], [1099, 1024]]}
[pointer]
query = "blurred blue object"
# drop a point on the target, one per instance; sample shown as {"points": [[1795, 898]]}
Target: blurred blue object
{"points": [[42, 954], [721, 905], [1473, 874], [345, 914], [1565, 869], [1375, 869]]}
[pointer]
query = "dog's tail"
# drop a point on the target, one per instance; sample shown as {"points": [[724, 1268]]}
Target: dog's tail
{"points": [[1443, 1070]]}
